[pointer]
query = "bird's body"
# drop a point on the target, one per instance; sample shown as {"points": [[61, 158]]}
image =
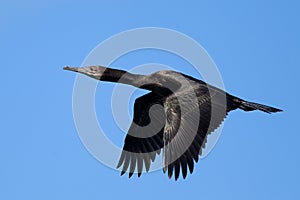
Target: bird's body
{"points": [[176, 116]]}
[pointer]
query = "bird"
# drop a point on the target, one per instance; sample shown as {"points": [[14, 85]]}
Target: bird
{"points": [[174, 117]]}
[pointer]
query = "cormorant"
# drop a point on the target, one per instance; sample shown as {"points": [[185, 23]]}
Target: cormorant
{"points": [[188, 110]]}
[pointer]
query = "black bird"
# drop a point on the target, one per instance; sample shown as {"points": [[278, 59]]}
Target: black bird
{"points": [[176, 116]]}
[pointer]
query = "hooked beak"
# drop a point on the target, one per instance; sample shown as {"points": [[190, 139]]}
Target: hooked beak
{"points": [[81, 70], [74, 69], [84, 70]]}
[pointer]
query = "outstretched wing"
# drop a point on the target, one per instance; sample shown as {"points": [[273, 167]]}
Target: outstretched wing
{"points": [[188, 124], [145, 135]]}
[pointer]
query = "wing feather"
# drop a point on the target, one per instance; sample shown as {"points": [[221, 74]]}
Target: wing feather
{"points": [[206, 114], [140, 148]]}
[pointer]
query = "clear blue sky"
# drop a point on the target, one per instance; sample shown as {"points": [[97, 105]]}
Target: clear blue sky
{"points": [[255, 45]]}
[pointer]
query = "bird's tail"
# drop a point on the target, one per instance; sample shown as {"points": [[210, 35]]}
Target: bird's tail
{"points": [[249, 106]]}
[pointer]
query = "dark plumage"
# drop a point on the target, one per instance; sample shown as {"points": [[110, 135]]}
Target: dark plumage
{"points": [[176, 115]]}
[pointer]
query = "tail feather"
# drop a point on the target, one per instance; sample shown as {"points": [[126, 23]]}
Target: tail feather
{"points": [[249, 106]]}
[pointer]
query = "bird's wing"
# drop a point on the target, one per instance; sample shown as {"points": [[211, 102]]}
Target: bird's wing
{"points": [[145, 135], [188, 122]]}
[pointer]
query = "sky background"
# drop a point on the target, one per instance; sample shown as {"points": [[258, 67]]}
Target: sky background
{"points": [[255, 45]]}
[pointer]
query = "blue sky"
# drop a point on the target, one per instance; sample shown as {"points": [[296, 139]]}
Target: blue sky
{"points": [[255, 45]]}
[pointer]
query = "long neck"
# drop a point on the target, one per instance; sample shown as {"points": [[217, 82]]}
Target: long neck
{"points": [[140, 81], [120, 76]]}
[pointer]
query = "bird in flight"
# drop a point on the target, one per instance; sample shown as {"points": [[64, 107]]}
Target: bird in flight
{"points": [[176, 117]]}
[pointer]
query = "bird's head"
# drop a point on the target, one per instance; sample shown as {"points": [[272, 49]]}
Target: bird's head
{"points": [[95, 72]]}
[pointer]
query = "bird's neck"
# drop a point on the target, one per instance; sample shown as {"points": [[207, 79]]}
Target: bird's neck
{"points": [[137, 80], [120, 76]]}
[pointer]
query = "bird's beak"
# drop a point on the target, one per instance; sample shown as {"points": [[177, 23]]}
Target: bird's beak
{"points": [[75, 69], [82, 70]]}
